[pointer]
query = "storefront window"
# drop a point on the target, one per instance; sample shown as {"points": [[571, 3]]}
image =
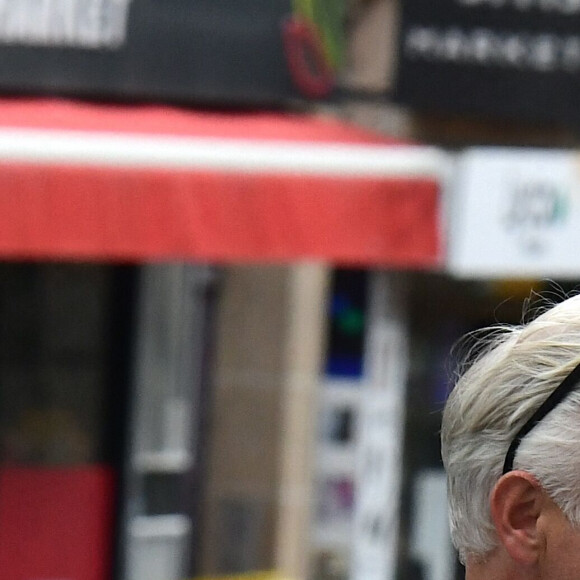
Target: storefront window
{"points": [[54, 363], [64, 367]]}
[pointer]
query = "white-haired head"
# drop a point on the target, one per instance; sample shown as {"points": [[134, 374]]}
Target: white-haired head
{"points": [[507, 382]]}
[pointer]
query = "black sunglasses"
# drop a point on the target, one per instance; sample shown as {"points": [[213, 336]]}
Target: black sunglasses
{"points": [[557, 396]]}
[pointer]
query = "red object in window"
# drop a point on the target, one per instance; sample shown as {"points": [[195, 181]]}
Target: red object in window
{"points": [[56, 524], [307, 63]]}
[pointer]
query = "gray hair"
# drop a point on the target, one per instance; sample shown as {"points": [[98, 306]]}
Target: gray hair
{"points": [[507, 381]]}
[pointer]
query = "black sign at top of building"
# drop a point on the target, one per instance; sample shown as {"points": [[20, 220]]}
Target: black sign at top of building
{"points": [[217, 52], [506, 58]]}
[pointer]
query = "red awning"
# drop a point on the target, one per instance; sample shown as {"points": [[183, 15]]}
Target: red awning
{"points": [[148, 183]]}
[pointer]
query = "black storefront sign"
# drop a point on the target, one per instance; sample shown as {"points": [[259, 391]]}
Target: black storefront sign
{"points": [[513, 59], [218, 52]]}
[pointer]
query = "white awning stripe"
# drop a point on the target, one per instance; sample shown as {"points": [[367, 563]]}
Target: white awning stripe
{"points": [[235, 155]]}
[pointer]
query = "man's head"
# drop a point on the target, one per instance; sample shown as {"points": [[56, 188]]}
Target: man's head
{"points": [[518, 512]]}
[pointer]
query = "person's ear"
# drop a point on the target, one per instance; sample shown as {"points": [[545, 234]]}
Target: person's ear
{"points": [[516, 504]]}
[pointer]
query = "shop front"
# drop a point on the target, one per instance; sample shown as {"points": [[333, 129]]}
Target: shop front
{"points": [[117, 224]]}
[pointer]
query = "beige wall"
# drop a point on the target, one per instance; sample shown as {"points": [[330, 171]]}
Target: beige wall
{"points": [[270, 334]]}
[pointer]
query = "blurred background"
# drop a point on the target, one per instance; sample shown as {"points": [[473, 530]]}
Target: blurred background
{"points": [[238, 241]]}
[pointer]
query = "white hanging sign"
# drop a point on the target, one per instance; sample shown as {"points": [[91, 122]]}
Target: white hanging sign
{"points": [[515, 213]]}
